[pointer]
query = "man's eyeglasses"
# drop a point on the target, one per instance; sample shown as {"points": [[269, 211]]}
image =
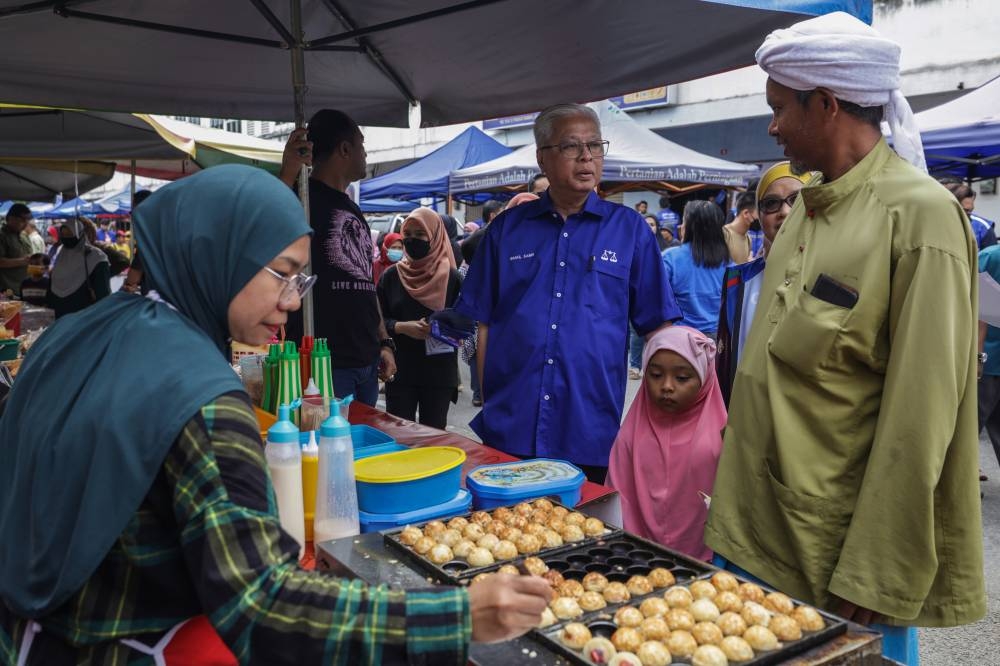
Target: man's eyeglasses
{"points": [[574, 150], [772, 205], [297, 284]]}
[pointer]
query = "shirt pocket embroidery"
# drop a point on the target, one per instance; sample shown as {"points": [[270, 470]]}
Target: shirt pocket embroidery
{"points": [[607, 288], [517, 279], [805, 338]]}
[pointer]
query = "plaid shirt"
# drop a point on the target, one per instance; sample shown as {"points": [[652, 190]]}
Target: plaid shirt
{"points": [[206, 540]]}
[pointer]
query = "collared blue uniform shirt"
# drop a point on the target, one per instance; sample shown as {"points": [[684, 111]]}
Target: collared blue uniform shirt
{"points": [[756, 243], [558, 298], [989, 262], [698, 288], [980, 227]]}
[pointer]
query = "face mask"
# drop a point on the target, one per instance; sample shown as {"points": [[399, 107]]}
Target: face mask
{"points": [[417, 248], [36, 271], [394, 255], [70, 242]]}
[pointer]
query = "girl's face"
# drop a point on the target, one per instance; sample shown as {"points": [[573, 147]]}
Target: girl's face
{"points": [[671, 381], [398, 245], [257, 312]]}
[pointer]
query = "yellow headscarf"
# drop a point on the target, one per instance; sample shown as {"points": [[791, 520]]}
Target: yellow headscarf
{"points": [[780, 170]]}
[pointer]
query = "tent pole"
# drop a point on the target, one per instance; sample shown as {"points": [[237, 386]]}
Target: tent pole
{"points": [[131, 209], [299, 90]]}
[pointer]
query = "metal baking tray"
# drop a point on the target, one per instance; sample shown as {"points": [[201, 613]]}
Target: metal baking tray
{"points": [[601, 623], [459, 572]]}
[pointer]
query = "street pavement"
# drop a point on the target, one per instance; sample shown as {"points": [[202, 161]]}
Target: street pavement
{"points": [[975, 644]]}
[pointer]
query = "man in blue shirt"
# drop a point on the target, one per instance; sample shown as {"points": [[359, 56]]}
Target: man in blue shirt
{"points": [[491, 209], [666, 215], [554, 286], [982, 228], [989, 360]]}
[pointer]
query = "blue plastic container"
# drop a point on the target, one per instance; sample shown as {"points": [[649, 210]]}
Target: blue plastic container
{"points": [[405, 481], [367, 441], [376, 522], [370, 441], [521, 480]]}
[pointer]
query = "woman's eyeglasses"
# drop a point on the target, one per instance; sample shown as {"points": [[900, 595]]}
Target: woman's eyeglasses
{"points": [[297, 284], [772, 205]]}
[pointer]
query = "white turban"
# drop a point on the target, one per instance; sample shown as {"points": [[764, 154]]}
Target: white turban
{"points": [[852, 60]]}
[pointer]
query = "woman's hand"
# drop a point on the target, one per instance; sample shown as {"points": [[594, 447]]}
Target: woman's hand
{"points": [[505, 606], [418, 330]]}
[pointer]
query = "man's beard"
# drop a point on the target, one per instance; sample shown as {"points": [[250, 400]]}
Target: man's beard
{"points": [[799, 168]]}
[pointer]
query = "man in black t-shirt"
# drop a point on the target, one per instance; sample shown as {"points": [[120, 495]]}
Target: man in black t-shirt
{"points": [[345, 304]]}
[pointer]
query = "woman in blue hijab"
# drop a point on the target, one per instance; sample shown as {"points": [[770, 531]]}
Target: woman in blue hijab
{"points": [[152, 536]]}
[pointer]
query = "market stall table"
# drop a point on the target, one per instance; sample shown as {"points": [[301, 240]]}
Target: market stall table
{"points": [[599, 500], [370, 559]]}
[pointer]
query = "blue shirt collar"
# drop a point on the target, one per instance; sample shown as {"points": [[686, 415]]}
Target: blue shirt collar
{"points": [[594, 206]]}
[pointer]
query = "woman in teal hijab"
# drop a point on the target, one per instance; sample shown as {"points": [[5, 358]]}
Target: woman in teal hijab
{"points": [[137, 518]]}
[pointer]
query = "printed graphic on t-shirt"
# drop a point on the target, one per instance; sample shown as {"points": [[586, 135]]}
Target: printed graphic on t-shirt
{"points": [[349, 245]]}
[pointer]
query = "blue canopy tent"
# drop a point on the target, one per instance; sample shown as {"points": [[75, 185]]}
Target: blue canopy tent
{"points": [[962, 137], [428, 176], [117, 203], [72, 208], [36, 207], [385, 205]]}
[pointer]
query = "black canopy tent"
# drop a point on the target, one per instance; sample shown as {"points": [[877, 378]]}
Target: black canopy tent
{"points": [[374, 60]]}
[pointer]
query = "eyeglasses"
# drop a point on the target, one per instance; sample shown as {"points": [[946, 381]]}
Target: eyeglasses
{"points": [[772, 205], [574, 150], [297, 284]]}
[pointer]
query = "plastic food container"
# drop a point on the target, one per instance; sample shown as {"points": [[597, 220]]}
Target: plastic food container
{"points": [[367, 441], [370, 441], [520, 480], [376, 522], [409, 480]]}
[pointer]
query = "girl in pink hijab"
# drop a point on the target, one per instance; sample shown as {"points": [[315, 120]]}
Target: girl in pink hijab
{"points": [[668, 448]]}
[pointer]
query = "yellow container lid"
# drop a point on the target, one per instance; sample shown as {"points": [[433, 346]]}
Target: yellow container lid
{"points": [[409, 465]]}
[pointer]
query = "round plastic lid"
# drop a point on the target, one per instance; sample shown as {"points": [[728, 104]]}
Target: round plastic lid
{"points": [[523, 473], [408, 465]]}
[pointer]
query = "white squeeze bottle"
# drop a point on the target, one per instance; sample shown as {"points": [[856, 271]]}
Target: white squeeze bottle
{"points": [[284, 460], [336, 494]]}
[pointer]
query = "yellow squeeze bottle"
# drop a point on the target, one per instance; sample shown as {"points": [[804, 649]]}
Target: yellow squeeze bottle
{"points": [[310, 472]]}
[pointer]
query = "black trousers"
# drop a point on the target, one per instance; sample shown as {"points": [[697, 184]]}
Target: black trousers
{"points": [[594, 473], [989, 410], [432, 403]]}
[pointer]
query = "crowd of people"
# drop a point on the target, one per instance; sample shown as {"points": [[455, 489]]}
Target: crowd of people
{"points": [[785, 426], [68, 268]]}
